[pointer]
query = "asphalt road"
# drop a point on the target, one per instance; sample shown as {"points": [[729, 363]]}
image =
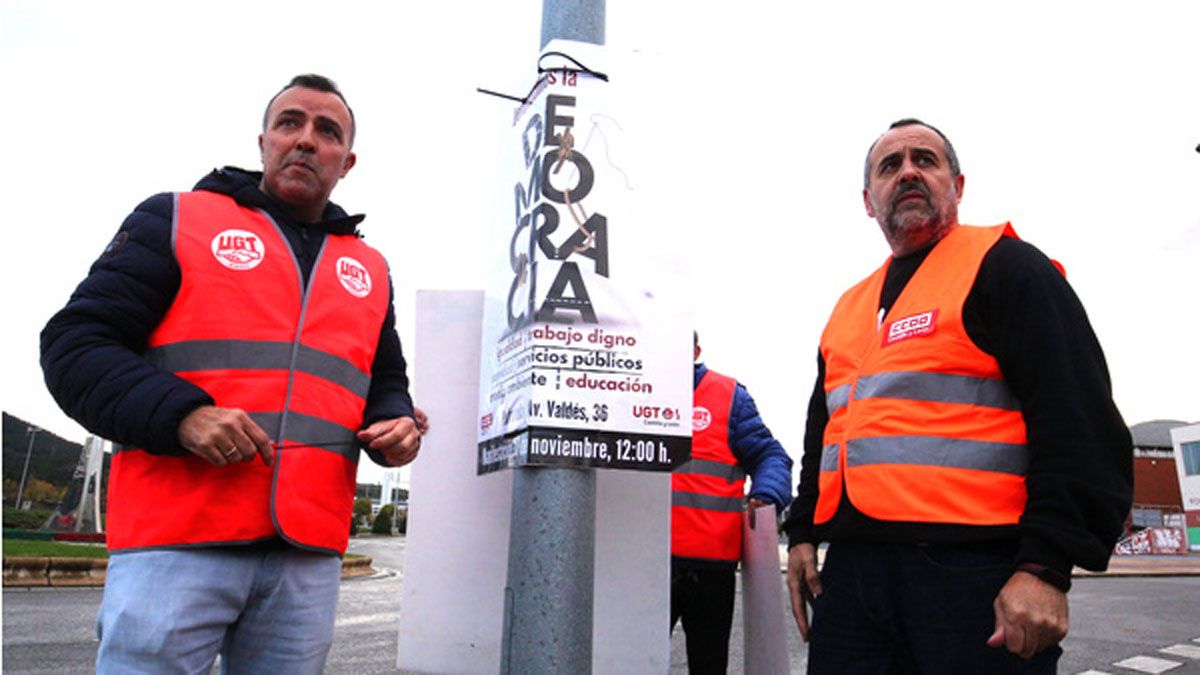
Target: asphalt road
{"points": [[1112, 619]]}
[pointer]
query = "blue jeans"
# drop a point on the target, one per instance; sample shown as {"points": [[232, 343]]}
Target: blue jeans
{"points": [[904, 608], [173, 611]]}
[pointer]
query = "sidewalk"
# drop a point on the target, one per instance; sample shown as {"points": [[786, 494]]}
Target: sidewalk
{"points": [[1147, 565], [1118, 565]]}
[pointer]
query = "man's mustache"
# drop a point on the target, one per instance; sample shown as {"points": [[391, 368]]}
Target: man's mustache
{"points": [[299, 158], [907, 187]]}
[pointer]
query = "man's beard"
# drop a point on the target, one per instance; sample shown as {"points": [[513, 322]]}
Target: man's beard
{"points": [[900, 223], [916, 227]]}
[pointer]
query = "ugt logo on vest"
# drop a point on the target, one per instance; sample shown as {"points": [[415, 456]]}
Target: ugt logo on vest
{"points": [[917, 325], [701, 418], [238, 249], [354, 277]]}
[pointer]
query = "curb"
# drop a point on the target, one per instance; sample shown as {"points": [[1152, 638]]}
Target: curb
{"points": [[357, 567], [41, 572]]}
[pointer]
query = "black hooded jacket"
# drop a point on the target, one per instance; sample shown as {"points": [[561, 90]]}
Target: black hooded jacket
{"points": [[91, 350]]}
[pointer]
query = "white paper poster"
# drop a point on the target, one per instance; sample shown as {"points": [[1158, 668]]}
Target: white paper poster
{"points": [[587, 344]]}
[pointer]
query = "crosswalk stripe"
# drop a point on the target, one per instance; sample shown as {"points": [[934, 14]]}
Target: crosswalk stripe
{"points": [[368, 618], [1148, 664], [1186, 651]]}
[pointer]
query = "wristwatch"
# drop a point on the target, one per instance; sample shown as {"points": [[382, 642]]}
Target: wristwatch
{"points": [[1051, 576]]}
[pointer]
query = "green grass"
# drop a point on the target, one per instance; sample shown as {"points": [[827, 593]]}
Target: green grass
{"points": [[25, 548]]}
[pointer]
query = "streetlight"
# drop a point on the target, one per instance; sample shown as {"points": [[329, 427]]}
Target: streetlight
{"points": [[30, 431]]}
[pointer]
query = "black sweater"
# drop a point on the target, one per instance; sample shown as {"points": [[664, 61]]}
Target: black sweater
{"points": [[1021, 311], [91, 349]]}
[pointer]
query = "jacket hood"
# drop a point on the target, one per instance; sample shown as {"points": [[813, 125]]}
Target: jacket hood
{"points": [[242, 186]]}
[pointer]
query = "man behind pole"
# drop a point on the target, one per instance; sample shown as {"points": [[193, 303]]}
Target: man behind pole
{"points": [[962, 451], [729, 442], [239, 342]]}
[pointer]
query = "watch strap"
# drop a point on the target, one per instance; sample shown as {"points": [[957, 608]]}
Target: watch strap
{"points": [[1047, 574]]}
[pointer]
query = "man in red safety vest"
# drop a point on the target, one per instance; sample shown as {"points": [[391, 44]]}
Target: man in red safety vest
{"points": [[238, 342], [708, 494]]}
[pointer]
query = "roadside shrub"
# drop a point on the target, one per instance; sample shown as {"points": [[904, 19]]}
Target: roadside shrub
{"points": [[25, 520], [383, 520], [362, 510]]}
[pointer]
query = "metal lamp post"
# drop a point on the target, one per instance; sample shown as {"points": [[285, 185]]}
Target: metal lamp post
{"points": [[31, 431], [548, 600]]}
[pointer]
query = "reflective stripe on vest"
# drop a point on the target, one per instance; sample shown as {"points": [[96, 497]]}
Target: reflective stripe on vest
{"points": [[695, 500], [935, 451], [922, 426], [246, 354], [298, 360], [319, 433], [707, 492], [706, 467], [837, 398], [829, 458], [941, 387]]}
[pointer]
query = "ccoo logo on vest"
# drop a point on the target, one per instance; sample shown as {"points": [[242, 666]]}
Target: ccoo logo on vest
{"points": [[354, 277], [238, 249], [701, 418], [916, 325]]}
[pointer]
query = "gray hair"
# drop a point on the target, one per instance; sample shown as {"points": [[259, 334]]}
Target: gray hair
{"points": [[951, 156]]}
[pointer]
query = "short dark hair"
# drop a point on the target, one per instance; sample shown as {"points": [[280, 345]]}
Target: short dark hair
{"points": [[319, 83], [951, 156]]}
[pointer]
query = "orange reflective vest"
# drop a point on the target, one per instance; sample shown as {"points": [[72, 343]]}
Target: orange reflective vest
{"points": [[297, 360], [922, 426], [707, 491]]}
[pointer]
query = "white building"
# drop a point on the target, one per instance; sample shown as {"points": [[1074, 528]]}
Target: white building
{"points": [[1187, 464], [388, 490]]}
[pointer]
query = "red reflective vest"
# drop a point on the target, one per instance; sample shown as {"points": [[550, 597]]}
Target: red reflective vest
{"points": [[297, 360], [707, 492], [922, 426]]}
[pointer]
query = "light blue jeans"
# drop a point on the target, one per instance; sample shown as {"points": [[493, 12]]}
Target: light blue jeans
{"points": [[263, 611]]}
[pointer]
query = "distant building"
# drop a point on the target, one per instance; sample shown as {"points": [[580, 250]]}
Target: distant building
{"points": [[1157, 521], [1156, 485], [1186, 442], [387, 491]]}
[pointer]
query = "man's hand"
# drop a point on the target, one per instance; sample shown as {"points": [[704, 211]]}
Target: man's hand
{"points": [[224, 435], [804, 583], [422, 420], [1030, 615], [398, 439], [756, 503]]}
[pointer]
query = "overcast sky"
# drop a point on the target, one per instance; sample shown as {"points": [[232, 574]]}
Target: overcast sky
{"points": [[1076, 121]]}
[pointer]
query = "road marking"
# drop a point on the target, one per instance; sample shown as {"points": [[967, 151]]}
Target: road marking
{"points": [[369, 618], [1148, 664], [1186, 651], [1094, 672]]}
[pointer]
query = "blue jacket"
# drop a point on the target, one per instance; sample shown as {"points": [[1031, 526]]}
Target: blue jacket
{"points": [[91, 349], [759, 454]]}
